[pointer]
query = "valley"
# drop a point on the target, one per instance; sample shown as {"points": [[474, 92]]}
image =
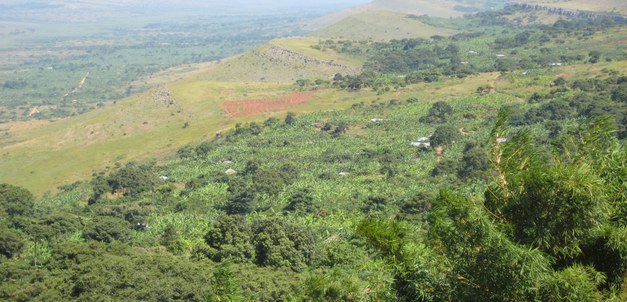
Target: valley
{"points": [[395, 150]]}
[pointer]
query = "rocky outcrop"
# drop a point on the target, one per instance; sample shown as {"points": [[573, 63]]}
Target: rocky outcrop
{"points": [[279, 54]]}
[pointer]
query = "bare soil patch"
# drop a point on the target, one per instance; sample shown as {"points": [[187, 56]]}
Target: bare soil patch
{"points": [[255, 106]]}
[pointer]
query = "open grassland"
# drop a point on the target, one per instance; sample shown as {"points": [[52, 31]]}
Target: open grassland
{"points": [[43, 155], [303, 45], [279, 63], [380, 25], [420, 7]]}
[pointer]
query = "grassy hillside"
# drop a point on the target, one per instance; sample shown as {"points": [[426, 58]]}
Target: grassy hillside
{"points": [[445, 8], [290, 221], [380, 25], [488, 165], [284, 60], [43, 155]]}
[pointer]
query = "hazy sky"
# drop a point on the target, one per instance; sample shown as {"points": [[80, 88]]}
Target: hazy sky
{"points": [[232, 4], [35, 8]]}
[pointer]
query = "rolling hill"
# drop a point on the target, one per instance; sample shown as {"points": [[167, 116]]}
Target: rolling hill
{"points": [[380, 25], [188, 105]]}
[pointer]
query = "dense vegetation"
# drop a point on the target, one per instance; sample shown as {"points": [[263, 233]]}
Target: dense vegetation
{"points": [[518, 196]]}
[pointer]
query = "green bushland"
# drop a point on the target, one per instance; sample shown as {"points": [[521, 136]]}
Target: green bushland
{"points": [[339, 205]]}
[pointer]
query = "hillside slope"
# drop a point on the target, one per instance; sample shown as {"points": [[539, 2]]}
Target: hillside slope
{"points": [[380, 25], [284, 60], [43, 155]]}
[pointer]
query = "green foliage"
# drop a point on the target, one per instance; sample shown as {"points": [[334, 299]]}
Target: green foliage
{"points": [[445, 135], [419, 273], [576, 283], [439, 113], [230, 239], [224, 285], [133, 180], [15, 203], [267, 242], [107, 229], [55, 225], [301, 201], [297, 220], [332, 286], [280, 244], [474, 163], [290, 119], [484, 261], [171, 239], [10, 242], [445, 167]]}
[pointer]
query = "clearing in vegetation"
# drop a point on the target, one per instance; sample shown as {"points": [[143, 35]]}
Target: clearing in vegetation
{"points": [[256, 106]]}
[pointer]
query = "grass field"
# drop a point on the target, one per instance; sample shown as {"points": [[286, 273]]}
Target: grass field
{"points": [[303, 45], [379, 25], [269, 63]]}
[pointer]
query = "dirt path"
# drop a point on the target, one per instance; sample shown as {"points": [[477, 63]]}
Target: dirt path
{"points": [[492, 83]]}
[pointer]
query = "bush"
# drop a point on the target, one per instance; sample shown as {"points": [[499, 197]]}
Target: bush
{"points": [[230, 239], [10, 242], [439, 113], [444, 136], [107, 229], [474, 163], [16, 201]]}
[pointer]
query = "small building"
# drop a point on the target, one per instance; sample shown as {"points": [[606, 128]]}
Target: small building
{"points": [[501, 140], [472, 52], [163, 178], [422, 142], [500, 56], [344, 173], [230, 172], [376, 120]]}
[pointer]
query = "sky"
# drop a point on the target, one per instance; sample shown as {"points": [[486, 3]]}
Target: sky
{"points": [[101, 10], [215, 5]]}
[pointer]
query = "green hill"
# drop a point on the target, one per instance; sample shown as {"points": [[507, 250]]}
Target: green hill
{"points": [[284, 60], [488, 165], [380, 25], [43, 155]]}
